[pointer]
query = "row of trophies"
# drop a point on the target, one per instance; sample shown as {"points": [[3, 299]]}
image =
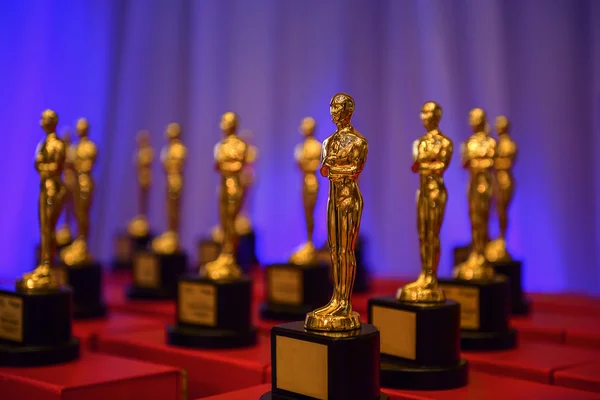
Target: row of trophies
{"points": [[413, 339]]}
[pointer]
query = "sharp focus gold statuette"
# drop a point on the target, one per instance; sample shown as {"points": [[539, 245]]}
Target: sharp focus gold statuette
{"points": [[308, 157], [344, 156], [506, 152], [49, 162], [139, 226], [431, 154], [478, 155], [84, 158], [63, 234], [231, 156], [173, 158]]}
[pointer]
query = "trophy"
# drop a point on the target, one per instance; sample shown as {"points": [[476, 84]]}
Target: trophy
{"points": [[214, 307], [298, 286], [155, 271], [496, 251], [35, 314], [483, 295], [80, 271], [420, 329], [332, 355], [138, 234]]}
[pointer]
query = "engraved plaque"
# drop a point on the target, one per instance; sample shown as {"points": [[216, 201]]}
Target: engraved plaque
{"points": [[398, 331], [146, 271], [285, 285], [11, 318], [123, 248], [207, 252], [197, 303], [468, 298], [301, 367]]}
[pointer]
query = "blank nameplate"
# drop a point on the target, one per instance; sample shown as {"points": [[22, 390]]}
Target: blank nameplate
{"points": [[285, 285], [123, 248], [398, 330], [468, 298], [301, 367], [197, 303], [11, 318], [207, 252], [146, 271]]}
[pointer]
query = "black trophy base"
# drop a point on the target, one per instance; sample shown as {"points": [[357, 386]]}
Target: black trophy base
{"points": [[155, 276], [149, 293], [122, 265], [522, 307], [210, 338], [512, 270], [284, 312], [246, 252], [90, 311], [271, 396], [484, 341], [12, 355], [86, 282], [408, 376], [460, 254]]}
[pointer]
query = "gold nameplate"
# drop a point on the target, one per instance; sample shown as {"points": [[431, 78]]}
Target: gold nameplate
{"points": [[61, 275], [285, 285], [11, 318], [146, 271], [398, 331], [123, 248], [301, 367], [197, 303], [207, 252], [468, 298]]}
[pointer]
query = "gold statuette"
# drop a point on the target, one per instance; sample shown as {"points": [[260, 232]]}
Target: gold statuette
{"points": [[431, 154], [231, 156], [173, 158], [63, 234], [308, 155], [506, 153], [478, 155], [139, 226], [344, 156], [85, 157], [49, 162]]}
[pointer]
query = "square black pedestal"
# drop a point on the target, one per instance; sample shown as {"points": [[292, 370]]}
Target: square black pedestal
{"points": [[155, 276], [86, 283], [125, 248], [209, 250], [513, 270]]}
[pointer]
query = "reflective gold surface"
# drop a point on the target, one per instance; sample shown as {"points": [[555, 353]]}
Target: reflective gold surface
{"points": [[478, 155], [506, 152], [49, 162], [64, 236], [231, 155], [308, 157], [431, 155], [139, 226], [84, 159], [173, 158], [344, 156]]}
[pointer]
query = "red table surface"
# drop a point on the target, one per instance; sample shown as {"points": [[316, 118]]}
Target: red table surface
{"points": [[576, 330], [117, 277], [92, 377], [584, 377], [209, 372], [88, 330], [117, 301], [565, 303]]}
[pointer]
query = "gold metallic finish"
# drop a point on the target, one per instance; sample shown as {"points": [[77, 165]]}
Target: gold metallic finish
{"points": [[478, 155], [231, 156], [64, 235], [139, 226], [431, 155], [173, 158], [308, 157], [506, 152], [49, 162], [343, 159]]}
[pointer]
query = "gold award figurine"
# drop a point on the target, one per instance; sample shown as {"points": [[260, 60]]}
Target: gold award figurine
{"points": [[49, 162], [431, 154], [231, 155], [506, 152], [308, 157], [139, 226], [478, 156], [85, 156], [63, 234], [173, 158], [343, 159]]}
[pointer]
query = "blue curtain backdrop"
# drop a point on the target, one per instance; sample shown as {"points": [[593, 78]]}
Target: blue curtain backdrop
{"points": [[127, 65]]}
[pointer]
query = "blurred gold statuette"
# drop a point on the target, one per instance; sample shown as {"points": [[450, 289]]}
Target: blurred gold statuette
{"points": [[173, 158], [344, 156], [308, 157], [431, 155], [64, 236], [506, 152], [478, 155], [49, 162], [139, 226]]}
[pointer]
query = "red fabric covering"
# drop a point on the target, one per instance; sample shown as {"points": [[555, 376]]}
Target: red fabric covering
{"points": [[117, 301], [117, 277], [565, 303], [541, 327], [92, 377], [584, 377], [209, 371]]}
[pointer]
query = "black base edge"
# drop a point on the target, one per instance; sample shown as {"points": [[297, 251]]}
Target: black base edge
{"points": [[210, 338], [141, 293], [282, 312], [122, 265], [403, 375], [521, 308], [37, 356], [482, 341], [89, 311], [271, 396]]}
